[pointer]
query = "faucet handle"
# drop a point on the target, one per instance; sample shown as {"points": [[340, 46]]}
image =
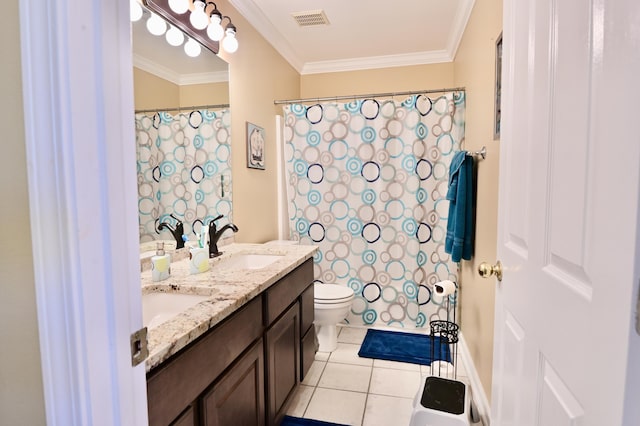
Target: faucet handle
{"points": [[177, 220], [215, 218], [212, 225]]}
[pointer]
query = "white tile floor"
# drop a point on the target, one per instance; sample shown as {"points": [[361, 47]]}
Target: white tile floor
{"points": [[343, 388]]}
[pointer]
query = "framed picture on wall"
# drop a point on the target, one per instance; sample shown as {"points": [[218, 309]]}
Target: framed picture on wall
{"points": [[255, 146], [498, 88]]}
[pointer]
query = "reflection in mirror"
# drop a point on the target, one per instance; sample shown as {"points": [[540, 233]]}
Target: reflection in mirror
{"points": [[183, 137]]}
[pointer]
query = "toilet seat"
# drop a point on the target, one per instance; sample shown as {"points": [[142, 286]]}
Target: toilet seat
{"points": [[327, 294]]}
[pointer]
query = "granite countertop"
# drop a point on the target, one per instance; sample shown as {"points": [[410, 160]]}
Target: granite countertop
{"points": [[228, 289]]}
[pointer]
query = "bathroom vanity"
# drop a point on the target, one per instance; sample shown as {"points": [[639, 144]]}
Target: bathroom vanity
{"points": [[237, 356]]}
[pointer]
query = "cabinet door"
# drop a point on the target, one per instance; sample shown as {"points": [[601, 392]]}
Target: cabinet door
{"points": [[283, 362], [307, 331], [187, 418], [238, 397], [308, 352]]}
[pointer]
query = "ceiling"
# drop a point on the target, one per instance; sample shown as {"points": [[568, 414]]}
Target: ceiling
{"points": [[360, 34]]}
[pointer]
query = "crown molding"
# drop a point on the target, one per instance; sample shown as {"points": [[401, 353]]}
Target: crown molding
{"points": [[374, 62], [175, 78], [459, 25], [263, 25], [204, 77], [155, 69]]}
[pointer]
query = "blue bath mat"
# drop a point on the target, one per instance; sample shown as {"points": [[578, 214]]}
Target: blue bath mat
{"points": [[297, 421], [403, 347]]}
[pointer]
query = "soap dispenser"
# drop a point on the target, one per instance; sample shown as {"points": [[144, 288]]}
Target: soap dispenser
{"points": [[160, 264]]}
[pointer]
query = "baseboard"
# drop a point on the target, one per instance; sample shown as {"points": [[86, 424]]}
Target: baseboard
{"points": [[478, 394]]}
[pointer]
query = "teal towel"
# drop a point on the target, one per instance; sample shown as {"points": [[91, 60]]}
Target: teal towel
{"points": [[460, 223]]}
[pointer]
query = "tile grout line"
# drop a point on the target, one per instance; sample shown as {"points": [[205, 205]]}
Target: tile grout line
{"points": [[315, 388], [366, 399]]}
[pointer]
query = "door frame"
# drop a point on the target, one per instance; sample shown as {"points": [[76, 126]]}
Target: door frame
{"points": [[77, 84]]}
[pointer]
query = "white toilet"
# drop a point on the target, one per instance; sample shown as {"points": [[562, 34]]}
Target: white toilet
{"points": [[331, 303]]}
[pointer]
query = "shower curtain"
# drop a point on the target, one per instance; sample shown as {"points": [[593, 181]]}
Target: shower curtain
{"points": [[184, 170], [367, 183]]}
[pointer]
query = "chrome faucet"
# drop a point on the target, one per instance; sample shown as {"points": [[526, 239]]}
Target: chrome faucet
{"points": [[177, 232], [215, 234]]}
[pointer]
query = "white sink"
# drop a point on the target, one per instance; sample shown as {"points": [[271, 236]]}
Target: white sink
{"points": [[159, 307], [248, 261]]}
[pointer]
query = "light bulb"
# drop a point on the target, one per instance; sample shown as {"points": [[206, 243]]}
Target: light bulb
{"points": [[230, 43], [174, 36], [198, 18], [135, 11], [179, 6], [215, 30], [192, 48], [156, 25]]}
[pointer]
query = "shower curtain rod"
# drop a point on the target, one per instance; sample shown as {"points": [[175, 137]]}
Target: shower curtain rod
{"points": [[182, 108], [372, 95]]}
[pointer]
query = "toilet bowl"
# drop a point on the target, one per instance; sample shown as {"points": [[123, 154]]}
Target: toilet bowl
{"points": [[331, 303]]}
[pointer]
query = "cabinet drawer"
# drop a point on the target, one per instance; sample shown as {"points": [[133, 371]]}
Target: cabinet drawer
{"points": [[179, 381], [283, 293]]}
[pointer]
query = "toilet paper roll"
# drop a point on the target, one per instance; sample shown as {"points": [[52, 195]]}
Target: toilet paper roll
{"points": [[444, 288]]}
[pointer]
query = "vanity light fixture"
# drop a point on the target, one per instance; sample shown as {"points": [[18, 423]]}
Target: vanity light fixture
{"points": [[192, 48], [230, 42], [174, 36], [203, 24], [156, 25], [214, 30], [198, 18], [135, 10], [179, 6]]}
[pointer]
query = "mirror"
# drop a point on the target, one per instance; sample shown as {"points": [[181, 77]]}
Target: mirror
{"points": [[183, 136]]}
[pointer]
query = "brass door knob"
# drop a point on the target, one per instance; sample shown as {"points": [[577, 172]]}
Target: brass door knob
{"points": [[486, 270]]}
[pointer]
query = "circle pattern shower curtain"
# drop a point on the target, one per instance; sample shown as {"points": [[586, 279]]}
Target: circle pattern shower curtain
{"points": [[367, 183], [184, 169]]}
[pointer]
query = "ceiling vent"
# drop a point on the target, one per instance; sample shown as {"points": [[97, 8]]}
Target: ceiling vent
{"points": [[310, 18]]}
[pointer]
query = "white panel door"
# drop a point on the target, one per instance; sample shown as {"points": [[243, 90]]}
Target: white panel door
{"points": [[569, 187]]}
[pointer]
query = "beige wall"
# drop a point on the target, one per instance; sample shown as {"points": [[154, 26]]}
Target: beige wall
{"points": [[383, 80], [258, 75], [151, 91], [475, 69], [204, 94], [21, 391]]}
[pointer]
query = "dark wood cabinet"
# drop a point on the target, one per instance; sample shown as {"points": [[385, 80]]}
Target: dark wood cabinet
{"points": [[283, 362], [237, 399], [308, 341], [187, 418], [243, 371], [179, 381]]}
